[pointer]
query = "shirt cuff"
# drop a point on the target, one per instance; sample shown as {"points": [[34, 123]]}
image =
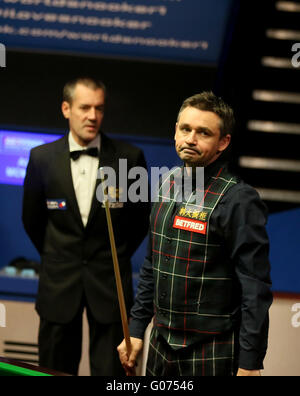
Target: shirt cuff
{"points": [[137, 328], [251, 360]]}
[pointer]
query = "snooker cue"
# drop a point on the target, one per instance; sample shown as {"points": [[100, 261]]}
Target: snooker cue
{"points": [[121, 299]]}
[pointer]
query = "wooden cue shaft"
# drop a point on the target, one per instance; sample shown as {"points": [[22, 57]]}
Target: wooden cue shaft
{"points": [[121, 299]]}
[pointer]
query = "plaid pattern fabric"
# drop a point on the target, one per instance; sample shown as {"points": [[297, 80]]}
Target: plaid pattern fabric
{"points": [[214, 358], [192, 278]]}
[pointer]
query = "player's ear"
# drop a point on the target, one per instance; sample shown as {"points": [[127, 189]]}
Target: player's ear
{"points": [[224, 142]]}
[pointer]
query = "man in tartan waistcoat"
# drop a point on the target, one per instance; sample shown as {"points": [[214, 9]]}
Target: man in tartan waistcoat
{"points": [[206, 276]]}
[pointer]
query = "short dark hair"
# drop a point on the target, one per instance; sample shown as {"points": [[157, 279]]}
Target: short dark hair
{"points": [[69, 88], [208, 101]]}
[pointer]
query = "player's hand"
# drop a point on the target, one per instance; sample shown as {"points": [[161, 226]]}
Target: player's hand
{"points": [[129, 362], [248, 373]]}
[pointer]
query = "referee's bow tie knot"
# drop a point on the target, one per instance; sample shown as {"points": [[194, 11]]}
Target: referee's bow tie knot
{"points": [[93, 152]]}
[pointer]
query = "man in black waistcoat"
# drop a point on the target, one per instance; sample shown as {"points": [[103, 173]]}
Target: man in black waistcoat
{"points": [[206, 277], [68, 227]]}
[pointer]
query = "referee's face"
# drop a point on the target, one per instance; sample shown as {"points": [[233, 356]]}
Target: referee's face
{"points": [[198, 138], [85, 113]]}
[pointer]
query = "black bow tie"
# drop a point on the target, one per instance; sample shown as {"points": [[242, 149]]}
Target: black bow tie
{"points": [[93, 152]]}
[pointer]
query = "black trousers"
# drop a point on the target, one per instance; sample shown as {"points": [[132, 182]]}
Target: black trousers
{"points": [[60, 345]]}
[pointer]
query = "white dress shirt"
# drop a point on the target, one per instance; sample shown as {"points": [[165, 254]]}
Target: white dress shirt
{"points": [[84, 175]]}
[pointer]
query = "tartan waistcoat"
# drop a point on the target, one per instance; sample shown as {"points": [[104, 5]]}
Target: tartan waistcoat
{"points": [[193, 278]]}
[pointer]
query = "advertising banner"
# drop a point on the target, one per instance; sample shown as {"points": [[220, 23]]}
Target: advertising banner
{"points": [[189, 31]]}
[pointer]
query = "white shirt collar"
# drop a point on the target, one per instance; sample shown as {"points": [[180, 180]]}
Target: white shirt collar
{"points": [[74, 146]]}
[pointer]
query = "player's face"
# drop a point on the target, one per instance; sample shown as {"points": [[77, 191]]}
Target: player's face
{"points": [[198, 139], [85, 113]]}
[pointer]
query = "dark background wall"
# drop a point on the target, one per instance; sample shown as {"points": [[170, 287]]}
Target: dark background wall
{"points": [[143, 97]]}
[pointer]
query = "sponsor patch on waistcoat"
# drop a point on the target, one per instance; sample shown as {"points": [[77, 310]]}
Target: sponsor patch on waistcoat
{"points": [[192, 214], [183, 223]]}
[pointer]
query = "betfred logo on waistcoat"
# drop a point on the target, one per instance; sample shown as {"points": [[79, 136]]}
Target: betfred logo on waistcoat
{"points": [[183, 223]]}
